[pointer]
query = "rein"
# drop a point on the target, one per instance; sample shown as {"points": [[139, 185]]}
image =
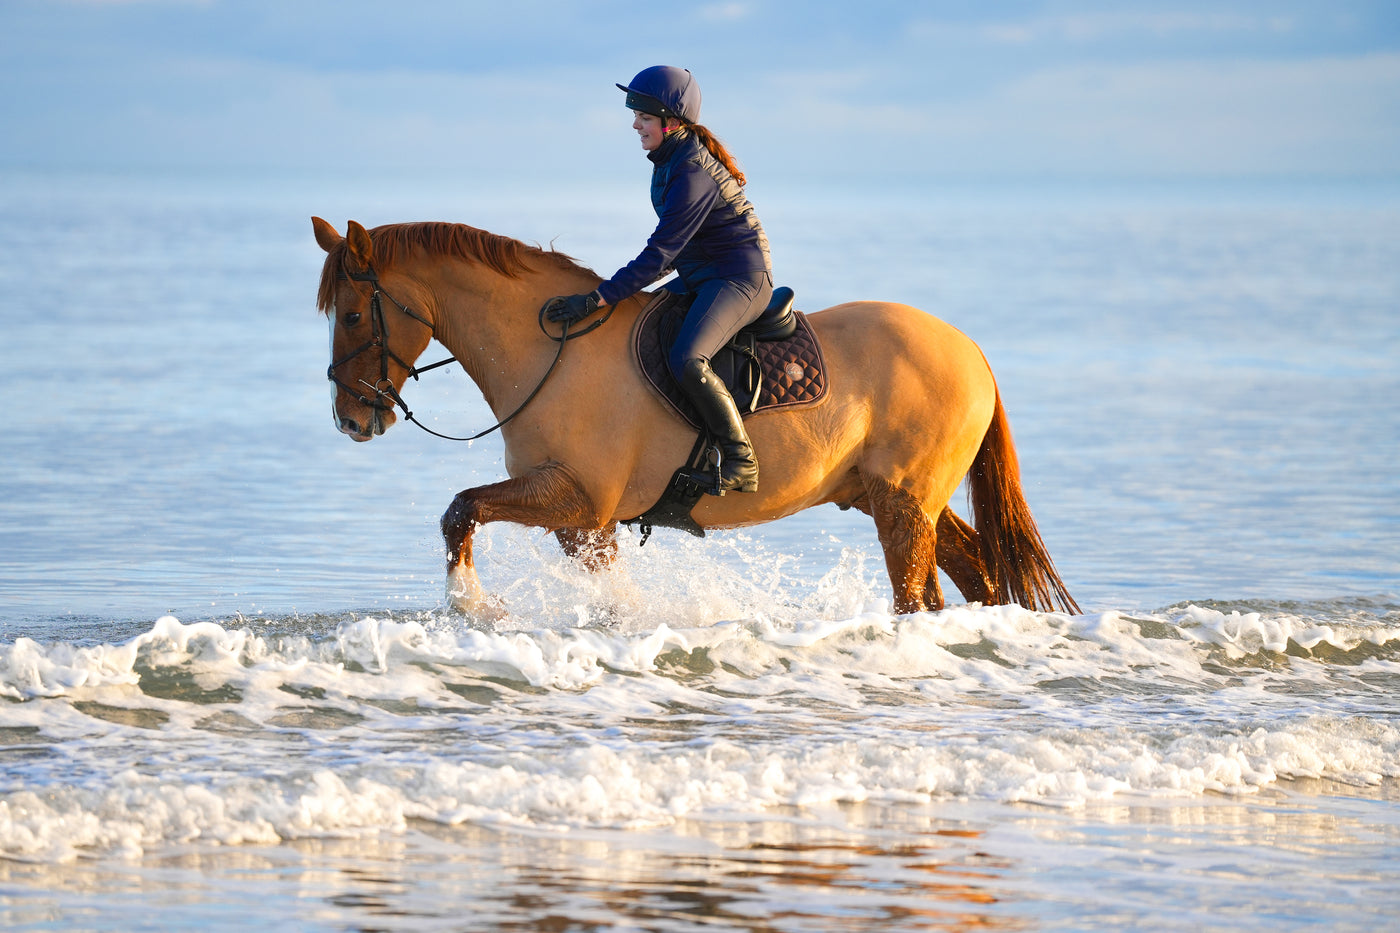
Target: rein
{"points": [[384, 387]]}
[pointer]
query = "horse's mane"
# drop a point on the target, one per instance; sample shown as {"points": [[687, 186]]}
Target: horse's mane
{"points": [[438, 238]]}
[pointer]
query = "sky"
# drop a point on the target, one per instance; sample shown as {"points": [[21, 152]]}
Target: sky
{"points": [[809, 89]]}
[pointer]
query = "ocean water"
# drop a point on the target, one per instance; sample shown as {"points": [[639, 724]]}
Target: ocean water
{"points": [[231, 693]]}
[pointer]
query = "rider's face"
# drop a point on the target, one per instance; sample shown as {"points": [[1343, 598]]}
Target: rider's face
{"points": [[651, 128]]}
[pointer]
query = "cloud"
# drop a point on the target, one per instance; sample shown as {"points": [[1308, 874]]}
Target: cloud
{"points": [[101, 3], [1128, 24], [724, 12], [1199, 118], [1234, 117], [1180, 88]]}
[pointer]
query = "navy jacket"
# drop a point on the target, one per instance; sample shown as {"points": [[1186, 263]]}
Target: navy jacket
{"points": [[706, 229]]}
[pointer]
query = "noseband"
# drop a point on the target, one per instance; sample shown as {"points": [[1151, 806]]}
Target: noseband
{"points": [[379, 339]]}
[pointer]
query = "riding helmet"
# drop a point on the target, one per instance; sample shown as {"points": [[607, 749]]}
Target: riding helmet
{"points": [[664, 91]]}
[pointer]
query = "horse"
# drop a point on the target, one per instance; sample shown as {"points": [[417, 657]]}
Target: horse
{"points": [[911, 409]]}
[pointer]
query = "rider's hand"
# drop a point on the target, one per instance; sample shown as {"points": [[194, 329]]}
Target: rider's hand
{"points": [[570, 308]]}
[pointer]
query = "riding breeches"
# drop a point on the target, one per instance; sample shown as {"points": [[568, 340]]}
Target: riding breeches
{"points": [[722, 307]]}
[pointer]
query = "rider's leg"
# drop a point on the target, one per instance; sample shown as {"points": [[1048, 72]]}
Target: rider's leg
{"points": [[720, 309], [738, 467]]}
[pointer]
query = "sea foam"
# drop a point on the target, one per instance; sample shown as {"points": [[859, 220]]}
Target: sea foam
{"points": [[257, 732]]}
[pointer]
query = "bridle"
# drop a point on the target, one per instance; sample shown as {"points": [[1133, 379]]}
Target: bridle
{"points": [[379, 339]]}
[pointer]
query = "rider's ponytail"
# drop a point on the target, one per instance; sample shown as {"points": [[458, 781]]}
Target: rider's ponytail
{"points": [[721, 154]]}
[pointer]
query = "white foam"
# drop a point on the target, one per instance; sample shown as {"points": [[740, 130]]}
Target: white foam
{"points": [[600, 786], [380, 721], [1247, 633]]}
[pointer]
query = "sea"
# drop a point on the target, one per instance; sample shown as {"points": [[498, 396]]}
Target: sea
{"points": [[232, 695]]}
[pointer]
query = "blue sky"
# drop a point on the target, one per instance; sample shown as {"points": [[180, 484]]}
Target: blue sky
{"points": [[808, 88]]}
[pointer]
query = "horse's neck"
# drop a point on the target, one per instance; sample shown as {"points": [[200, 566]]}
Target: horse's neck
{"points": [[490, 324]]}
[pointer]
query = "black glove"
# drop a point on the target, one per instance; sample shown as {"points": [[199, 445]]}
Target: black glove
{"points": [[570, 308]]}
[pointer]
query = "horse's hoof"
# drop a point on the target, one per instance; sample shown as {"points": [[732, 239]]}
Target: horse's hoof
{"points": [[480, 609], [465, 595], [492, 609]]}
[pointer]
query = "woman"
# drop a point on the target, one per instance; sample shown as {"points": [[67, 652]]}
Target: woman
{"points": [[708, 233]]}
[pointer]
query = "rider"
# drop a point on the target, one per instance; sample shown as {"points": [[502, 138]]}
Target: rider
{"points": [[710, 235]]}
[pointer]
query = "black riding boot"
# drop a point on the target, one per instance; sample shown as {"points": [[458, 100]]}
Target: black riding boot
{"points": [[738, 469]]}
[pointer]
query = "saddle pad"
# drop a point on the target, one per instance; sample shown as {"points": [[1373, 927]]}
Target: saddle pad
{"points": [[793, 373]]}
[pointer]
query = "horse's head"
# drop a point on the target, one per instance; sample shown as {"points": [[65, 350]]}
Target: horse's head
{"points": [[378, 329]]}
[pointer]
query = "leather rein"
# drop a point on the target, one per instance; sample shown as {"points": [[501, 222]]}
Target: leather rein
{"points": [[379, 339]]}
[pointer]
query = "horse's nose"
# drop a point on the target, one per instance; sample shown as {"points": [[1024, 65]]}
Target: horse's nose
{"points": [[376, 425]]}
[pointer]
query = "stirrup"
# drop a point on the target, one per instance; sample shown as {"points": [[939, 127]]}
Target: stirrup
{"points": [[708, 480], [711, 481]]}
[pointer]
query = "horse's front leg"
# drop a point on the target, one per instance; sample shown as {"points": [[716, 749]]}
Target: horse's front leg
{"points": [[546, 497]]}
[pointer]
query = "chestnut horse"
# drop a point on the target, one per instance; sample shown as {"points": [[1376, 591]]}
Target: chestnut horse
{"points": [[911, 408]]}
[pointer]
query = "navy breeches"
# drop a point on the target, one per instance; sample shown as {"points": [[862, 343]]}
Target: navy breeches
{"points": [[720, 309]]}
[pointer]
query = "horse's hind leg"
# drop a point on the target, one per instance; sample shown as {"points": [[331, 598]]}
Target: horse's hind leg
{"points": [[960, 557], [595, 548], [910, 542], [547, 497]]}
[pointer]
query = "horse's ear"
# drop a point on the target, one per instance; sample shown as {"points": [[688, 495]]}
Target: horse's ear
{"points": [[361, 250], [325, 234]]}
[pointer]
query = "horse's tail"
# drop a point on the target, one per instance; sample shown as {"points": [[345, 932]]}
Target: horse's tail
{"points": [[1017, 563]]}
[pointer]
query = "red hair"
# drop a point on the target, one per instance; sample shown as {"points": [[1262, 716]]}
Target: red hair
{"points": [[711, 142]]}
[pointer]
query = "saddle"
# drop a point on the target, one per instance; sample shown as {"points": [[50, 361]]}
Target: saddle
{"points": [[775, 362]]}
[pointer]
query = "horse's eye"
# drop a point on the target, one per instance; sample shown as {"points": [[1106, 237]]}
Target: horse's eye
{"points": [[352, 319]]}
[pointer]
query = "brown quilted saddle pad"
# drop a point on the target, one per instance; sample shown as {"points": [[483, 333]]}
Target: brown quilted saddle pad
{"points": [[761, 374]]}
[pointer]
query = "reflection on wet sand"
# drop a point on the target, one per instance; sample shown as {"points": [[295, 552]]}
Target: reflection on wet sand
{"points": [[858, 867], [776, 874], [1147, 864]]}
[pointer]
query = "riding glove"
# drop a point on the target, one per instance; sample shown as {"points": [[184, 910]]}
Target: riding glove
{"points": [[572, 308]]}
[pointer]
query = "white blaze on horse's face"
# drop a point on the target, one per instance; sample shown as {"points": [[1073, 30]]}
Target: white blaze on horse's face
{"points": [[335, 389]]}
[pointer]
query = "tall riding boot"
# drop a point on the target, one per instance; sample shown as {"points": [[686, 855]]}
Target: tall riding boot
{"points": [[737, 468]]}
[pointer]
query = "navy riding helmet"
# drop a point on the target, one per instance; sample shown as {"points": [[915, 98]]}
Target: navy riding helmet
{"points": [[663, 91]]}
